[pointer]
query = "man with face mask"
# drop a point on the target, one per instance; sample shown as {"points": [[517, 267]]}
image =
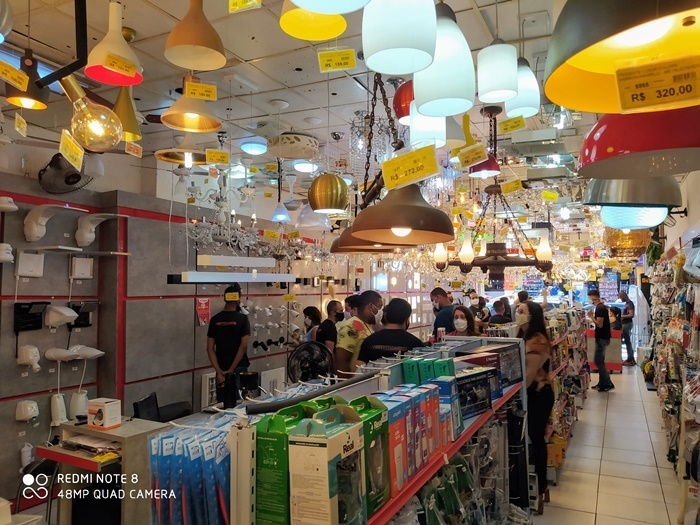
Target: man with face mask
{"points": [[353, 332], [352, 303], [443, 306], [477, 310], [327, 333], [395, 338], [602, 339]]}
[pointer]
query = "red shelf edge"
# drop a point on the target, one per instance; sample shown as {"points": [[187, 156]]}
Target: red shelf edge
{"points": [[82, 463]]}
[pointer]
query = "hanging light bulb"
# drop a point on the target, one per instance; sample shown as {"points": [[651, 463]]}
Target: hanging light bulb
{"points": [[466, 254], [440, 256], [35, 97], [401, 232], [527, 102], [427, 129], [544, 250], [626, 231], [124, 109], [497, 72], [94, 126], [307, 25], [188, 159], [193, 43], [280, 214]]}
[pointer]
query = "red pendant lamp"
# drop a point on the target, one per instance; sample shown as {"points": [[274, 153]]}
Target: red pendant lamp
{"points": [[402, 102]]}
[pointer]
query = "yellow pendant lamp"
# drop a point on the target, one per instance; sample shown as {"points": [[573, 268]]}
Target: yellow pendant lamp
{"points": [[328, 194], [190, 114], [186, 153], [124, 109], [194, 43], [35, 97], [306, 25]]}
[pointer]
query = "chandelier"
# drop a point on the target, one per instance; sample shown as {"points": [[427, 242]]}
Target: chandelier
{"points": [[626, 243], [363, 135]]}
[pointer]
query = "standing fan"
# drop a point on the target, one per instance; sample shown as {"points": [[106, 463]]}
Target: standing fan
{"points": [[308, 361], [59, 176]]}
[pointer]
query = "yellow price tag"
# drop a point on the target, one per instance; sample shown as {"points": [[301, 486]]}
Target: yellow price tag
{"points": [[120, 65], [289, 297], [191, 200], [457, 210], [267, 195], [216, 156], [294, 235], [20, 125], [232, 296], [468, 214], [253, 170], [522, 220], [511, 186], [133, 149], [269, 234], [200, 90], [471, 155], [410, 167], [550, 196], [14, 76], [659, 84], [456, 284], [271, 167], [336, 60], [71, 150], [235, 6], [511, 124]]}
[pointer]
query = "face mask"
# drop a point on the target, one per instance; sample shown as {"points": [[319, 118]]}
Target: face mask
{"points": [[307, 321], [379, 316], [474, 302], [521, 319], [347, 315], [460, 325], [339, 316], [436, 305]]}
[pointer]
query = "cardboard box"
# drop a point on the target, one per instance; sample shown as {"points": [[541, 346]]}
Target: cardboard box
{"points": [[444, 367], [420, 437], [407, 404], [426, 369], [509, 362], [398, 454], [326, 468], [449, 398], [487, 360], [445, 425], [474, 391], [432, 416], [411, 372], [104, 413]]}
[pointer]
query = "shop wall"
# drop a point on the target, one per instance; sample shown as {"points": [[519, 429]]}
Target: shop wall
{"points": [[687, 228]]}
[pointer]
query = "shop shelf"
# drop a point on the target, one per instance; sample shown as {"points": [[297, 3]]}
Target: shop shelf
{"points": [[554, 373], [81, 459]]}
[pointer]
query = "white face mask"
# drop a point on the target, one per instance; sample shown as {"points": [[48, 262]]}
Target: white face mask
{"points": [[460, 325], [347, 315], [521, 319], [436, 305], [474, 302], [379, 316], [307, 321]]}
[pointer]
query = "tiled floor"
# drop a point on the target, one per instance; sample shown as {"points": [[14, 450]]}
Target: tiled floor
{"points": [[616, 471]]}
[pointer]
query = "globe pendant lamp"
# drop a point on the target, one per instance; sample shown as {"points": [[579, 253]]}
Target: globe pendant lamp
{"points": [[402, 102], [306, 25], [336, 7], [642, 145], [124, 109], [427, 130], [593, 38], [190, 114], [399, 36], [7, 19], [328, 194], [497, 72], [309, 220], [35, 97], [527, 102], [194, 43], [185, 153], [403, 216], [455, 135], [435, 95], [113, 44]]}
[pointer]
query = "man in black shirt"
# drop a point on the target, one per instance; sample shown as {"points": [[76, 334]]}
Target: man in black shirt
{"points": [[602, 339], [326, 333], [227, 341], [394, 339], [499, 317]]}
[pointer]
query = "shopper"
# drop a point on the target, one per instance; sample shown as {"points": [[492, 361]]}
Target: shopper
{"points": [[312, 318], [615, 318], [627, 324], [477, 310], [463, 321], [227, 342], [327, 334], [540, 397], [352, 303], [394, 338], [443, 317], [499, 317], [507, 308], [353, 332], [602, 340]]}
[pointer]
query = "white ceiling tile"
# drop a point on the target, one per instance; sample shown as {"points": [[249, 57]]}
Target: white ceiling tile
{"points": [[338, 92], [178, 8], [295, 69]]}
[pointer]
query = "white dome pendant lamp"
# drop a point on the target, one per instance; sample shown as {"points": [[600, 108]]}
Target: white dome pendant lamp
{"points": [[399, 36], [427, 130], [527, 102], [497, 72], [434, 96], [336, 7]]}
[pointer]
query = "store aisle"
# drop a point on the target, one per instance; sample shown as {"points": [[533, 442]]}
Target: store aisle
{"points": [[616, 471]]}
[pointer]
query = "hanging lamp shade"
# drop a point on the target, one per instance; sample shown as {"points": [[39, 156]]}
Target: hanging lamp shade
{"points": [[592, 38], [497, 72], [455, 135], [310, 220], [254, 145], [190, 114], [432, 130], [544, 250], [35, 97], [336, 248], [194, 43], [629, 245], [328, 194], [185, 153], [336, 7], [307, 25], [113, 44], [7, 19], [402, 102], [485, 169], [527, 102], [642, 145], [349, 241], [434, 95], [124, 109], [399, 36], [293, 145], [280, 214], [633, 217], [403, 216]]}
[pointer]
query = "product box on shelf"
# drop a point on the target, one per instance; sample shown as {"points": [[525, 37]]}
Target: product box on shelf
{"points": [[433, 416], [474, 390], [420, 441], [411, 372], [426, 369], [326, 457], [450, 400], [486, 359], [444, 367], [322, 403], [445, 425], [407, 406], [375, 420], [509, 362], [398, 459], [104, 413]]}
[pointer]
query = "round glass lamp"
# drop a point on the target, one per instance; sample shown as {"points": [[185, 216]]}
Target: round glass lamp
{"points": [[497, 72], [527, 102], [402, 102], [307, 25], [254, 145]]}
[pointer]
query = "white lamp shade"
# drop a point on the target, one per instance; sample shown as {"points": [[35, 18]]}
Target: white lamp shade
{"points": [[424, 129], [527, 102], [310, 220], [466, 254], [305, 166], [448, 86], [455, 135], [254, 145], [544, 250], [632, 218], [497, 72], [399, 36], [336, 7], [281, 214], [440, 255]]}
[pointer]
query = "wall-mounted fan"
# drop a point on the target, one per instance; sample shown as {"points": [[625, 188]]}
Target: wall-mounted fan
{"points": [[308, 361], [59, 176]]}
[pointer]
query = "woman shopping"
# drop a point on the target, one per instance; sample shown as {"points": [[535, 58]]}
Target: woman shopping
{"points": [[463, 322]]}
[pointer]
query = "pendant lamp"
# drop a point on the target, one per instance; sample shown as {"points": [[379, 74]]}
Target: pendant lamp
{"points": [[307, 25], [328, 194], [185, 153], [466, 254], [369, 249], [35, 97], [403, 216], [485, 169], [399, 36], [348, 240], [544, 250], [630, 244], [455, 135], [632, 217], [592, 38], [336, 7], [527, 102], [190, 114], [642, 145], [281, 214], [7, 19], [447, 86], [124, 109], [497, 72], [254, 145], [194, 43], [113, 44], [402, 102], [432, 130], [309, 220]]}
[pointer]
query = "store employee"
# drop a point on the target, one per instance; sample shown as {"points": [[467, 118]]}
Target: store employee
{"points": [[227, 341]]}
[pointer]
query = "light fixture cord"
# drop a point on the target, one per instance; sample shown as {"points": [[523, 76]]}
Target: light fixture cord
{"points": [[29, 24], [497, 19]]}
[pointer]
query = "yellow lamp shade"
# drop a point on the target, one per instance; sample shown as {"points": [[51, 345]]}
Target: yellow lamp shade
{"points": [[594, 38], [194, 43], [124, 109], [328, 194], [190, 114], [186, 153], [630, 244], [306, 25], [35, 97]]}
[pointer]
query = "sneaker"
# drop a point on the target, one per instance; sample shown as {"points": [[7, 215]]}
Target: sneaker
{"points": [[630, 363], [595, 387], [606, 388]]}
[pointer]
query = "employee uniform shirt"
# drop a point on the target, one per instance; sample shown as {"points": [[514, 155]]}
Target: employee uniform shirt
{"points": [[327, 332], [628, 309], [443, 319], [351, 334], [388, 343], [604, 331], [499, 319], [227, 328]]}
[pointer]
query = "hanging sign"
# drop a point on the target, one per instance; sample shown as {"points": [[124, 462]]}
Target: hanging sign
{"points": [[659, 84], [253, 170], [511, 124], [456, 285], [200, 90], [330, 60], [71, 150], [269, 234], [293, 235], [511, 186], [133, 149], [472, 155], [411, 167], [267, 195], [14, 76], [203, 311], [289, 297], [120, 65], [457, 210], [20, 125], [271, 167], [216, 156], [236, 6], [550, 196]]}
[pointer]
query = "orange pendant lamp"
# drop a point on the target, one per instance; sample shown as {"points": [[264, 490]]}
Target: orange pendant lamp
{"points": [[194, 43]]}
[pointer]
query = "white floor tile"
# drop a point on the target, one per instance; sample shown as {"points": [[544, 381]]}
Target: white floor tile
{"points": [[673, 511], [583, 451], [581, 500], [610, 520], [632, 508], [671, 493], [575, 481], [631, 488], [658, 437], [587, 439], [625, 423], [592, 466], [668, 476], [582, 427], [630, 471], [662, 461], [629, 456], [557, 516], [635, 406], [632, 435], [623, 442]]}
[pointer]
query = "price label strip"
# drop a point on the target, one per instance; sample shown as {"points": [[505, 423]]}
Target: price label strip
{"points": [[20, 125], [71, 150], [216, 156], [472, 155], [411, 167], [134, 149], [236, 6], [200, 90], [271, 167], [330, 60], [511, 186], [661, 84], [120, 65], [550, 196], [269, 234], [253, 170], [456, 284], [14, 76], [511, 124]]}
